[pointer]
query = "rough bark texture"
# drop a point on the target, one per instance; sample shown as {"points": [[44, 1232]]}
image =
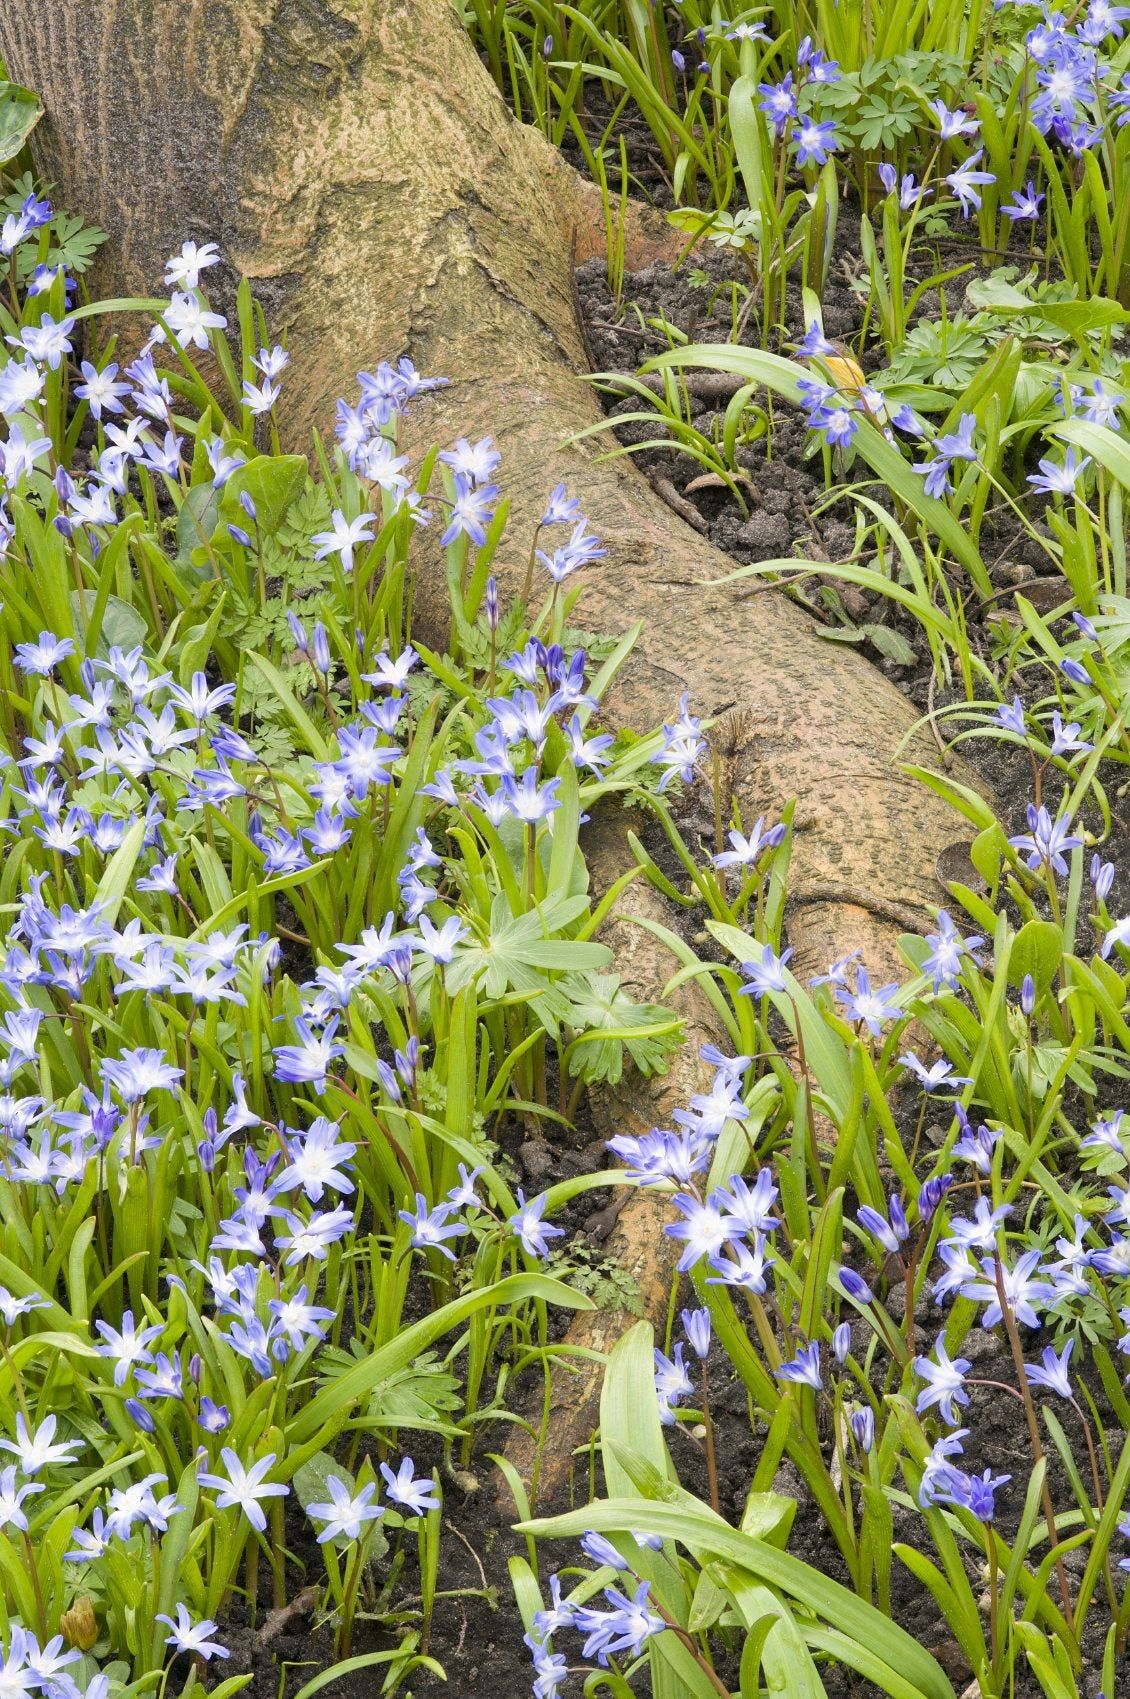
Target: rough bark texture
{"points": [[352, 158]]}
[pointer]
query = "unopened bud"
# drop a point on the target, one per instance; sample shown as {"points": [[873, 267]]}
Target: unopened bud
{"points": [[79, 1625]]}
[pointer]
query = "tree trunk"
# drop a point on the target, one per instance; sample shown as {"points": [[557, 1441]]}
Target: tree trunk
{"points": [[354, 160]]}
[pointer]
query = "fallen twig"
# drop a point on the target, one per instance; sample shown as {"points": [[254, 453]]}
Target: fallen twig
{"points": [[273, 1624]]}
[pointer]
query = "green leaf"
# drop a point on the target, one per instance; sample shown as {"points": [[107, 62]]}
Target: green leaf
{"points": [[521, 944], [122, 625], [633, 1448], [295, 712], [20, 112], [993, 295], [608, 1023], [197, 517], [273, 481], [367, 1660], [1037, 949], [119, 872]]}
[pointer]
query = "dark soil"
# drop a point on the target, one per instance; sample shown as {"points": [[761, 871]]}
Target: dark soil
{"points": [[789, 515]]}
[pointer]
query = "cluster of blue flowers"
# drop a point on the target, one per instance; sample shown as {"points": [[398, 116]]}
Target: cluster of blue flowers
{"points": [[126, 770], [622, 1630], [1021, 1285]]}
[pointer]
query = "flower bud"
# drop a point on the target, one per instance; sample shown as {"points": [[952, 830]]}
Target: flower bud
{"points": [[399, 963], [388, 1080], [600, 1550], [696, 1325], [862, 1422], [320, 649], [932, 1194], [1027, 994], [139, 1415], [248, 505], [898, 1219], [79, 1625], [1102, 877], [855, 1286], [841, 1343]]}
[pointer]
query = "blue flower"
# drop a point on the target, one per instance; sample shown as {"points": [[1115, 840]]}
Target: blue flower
{"points": [[527, 1223], [814, 142], [430, 1227], [1024, 206], [1053, 1373], [947, 951], [804, 1368], [1021, 1287], [43, 656], [1046, 841], [965, 182], [765, 975], [308, 1062], [472, 510], [945, 1382], [626, 1628], [1059, 480], [874, 1009]]}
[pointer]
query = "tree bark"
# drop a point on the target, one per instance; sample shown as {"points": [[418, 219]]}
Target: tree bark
{"points": [[353, 159]]}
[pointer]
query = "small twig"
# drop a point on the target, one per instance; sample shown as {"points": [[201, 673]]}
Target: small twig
{"points": [[452, 1529], [943, 748], [775, 584], [579, 316], [273, 1624], [684, 508]]}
